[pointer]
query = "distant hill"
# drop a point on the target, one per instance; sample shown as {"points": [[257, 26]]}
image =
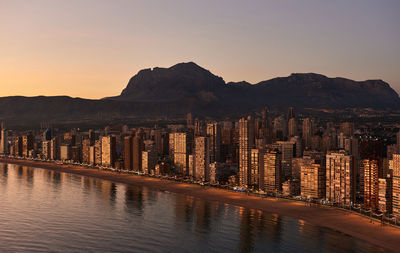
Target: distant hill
{"points": [[186, 87], [188, 80]]}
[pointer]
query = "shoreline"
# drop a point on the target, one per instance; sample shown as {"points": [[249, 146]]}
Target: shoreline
{"points": [[357, 226]]}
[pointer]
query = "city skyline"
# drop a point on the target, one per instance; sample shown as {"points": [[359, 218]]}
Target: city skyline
{"points": [[91, 49]]}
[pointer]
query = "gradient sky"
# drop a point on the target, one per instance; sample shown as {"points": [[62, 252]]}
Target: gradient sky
{"points": [[90, 48]]}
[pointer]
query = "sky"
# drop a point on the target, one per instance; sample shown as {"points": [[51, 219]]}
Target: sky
{"points": [[91, 48]]}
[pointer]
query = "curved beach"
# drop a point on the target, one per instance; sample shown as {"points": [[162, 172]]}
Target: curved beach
{"points": [[384, 236]]}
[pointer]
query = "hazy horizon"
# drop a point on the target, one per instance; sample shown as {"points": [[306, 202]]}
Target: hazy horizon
{"points": [[91, 49]]}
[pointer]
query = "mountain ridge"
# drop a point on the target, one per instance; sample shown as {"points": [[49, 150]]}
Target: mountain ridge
{"points": [[187, 87], [185, 80]]}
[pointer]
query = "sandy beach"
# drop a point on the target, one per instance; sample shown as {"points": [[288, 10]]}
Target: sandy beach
{"points": [[357, 226]]}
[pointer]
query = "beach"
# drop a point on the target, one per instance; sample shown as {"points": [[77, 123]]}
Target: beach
{"points": [[384, 236]]}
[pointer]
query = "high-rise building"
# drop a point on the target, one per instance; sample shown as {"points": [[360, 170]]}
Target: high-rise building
{"points": [[286, 149], [271, 172], [266, 127], [292, 127], [395, 165], [339, 178], [385, 194], [18, 149], [371, 183], [65, 152], [312, 183], [137, 148], [307, 132], [246, 143], [201, 158], [108, 151], [256, 164], [27, 144], [86, 151], [4, 140], [46, 149], [181, 151], [227, 142], [92, 155], [161, 139], [98, 152], [214, 133], [54, 149], [149, 161], [370, 149], [128, 154]]}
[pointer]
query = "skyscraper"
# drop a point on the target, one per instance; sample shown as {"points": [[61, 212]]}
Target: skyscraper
{"points": [[27, 144], [214, 134], [181, 151], [201, 158], [339, 178], [137, 148], [292, 127], [18, 146], [371, 183], [286, 149], [266, 127], [385, 194], [54, 152], [108, 151], [65, 152], [86, 151], [312, 180], [256, 163], [271, 172], [4, 140], [149, 161], [128, 154], [246, 143], [97, 152], [396, 184], [307, 132], [46, 149]]}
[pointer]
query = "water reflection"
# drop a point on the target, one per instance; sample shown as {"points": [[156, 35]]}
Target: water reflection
{"points": [[4, 173], [134, 200], [95, 215]]}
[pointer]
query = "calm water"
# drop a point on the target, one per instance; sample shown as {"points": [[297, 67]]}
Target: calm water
{"points": [[47, 211]]}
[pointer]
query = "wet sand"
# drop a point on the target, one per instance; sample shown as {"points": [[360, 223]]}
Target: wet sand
{"points": [[384, 236]]}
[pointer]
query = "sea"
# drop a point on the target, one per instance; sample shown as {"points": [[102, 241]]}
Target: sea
{"points": [[48, 211]]}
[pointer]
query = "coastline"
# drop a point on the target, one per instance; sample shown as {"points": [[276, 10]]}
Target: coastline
{"points": [[386, 237]]}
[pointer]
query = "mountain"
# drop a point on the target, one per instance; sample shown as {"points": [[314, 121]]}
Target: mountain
{"points": [[190, 81], [183, 80], [187, 87]]}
